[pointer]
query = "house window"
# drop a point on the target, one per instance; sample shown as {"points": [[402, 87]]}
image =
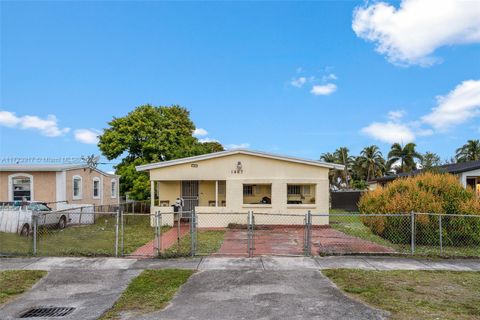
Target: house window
{"points": [[471, 182], [77, 187], [96, 188], [293, 189], [257, 193], [300, 194], [247, 190], [22, 188], [114, 188]]}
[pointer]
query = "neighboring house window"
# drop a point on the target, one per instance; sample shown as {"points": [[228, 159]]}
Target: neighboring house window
{"points": [[114, 188], [21, 188], [96, 188], [77, 187]]}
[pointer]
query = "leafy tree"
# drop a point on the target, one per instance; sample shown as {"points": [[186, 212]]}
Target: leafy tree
{"points": [[469, 151], [149, 134], [371, 160], [406, 155], [359, 184], [429, 161]]}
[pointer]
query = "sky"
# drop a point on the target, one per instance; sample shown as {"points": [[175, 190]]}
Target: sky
{"points": [[294, 78]]}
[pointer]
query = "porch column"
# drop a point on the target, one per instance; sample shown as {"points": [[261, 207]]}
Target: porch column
{"points": [[216, 193], [152, 193]]}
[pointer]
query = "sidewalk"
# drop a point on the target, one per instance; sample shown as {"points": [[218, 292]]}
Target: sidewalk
{"points": [[257, 263]]}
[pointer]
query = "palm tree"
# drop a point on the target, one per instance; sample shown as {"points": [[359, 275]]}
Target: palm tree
{"points": [[469, 151], [341, 154], [330, 157], [406, 155], [371, 159]]}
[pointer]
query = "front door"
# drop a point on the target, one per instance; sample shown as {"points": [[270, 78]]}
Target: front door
{"points": [[190, 194]]}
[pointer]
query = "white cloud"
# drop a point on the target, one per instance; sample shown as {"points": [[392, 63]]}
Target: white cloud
{"points": [[323, 90], [237, 146], [411, 34], [396, 115], [390, 132], [200, 132], [47, 127], [8, 119], [328, 77], [458, 106], [203, 140], [88, 136], [298, 82]]}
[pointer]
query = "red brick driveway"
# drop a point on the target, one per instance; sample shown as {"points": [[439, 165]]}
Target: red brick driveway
{"points": [[288, 240]]}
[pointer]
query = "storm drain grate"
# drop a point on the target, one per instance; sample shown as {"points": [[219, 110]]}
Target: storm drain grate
{"points": [[47, 312]]}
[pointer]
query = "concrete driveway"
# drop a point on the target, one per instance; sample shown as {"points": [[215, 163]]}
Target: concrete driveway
{"points": [[90, 292], [262, 294]]}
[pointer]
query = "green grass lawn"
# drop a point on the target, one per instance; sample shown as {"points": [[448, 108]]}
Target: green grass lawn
{"points": [[414, 294], [14, 244], [208, 242], [16, 282], [83, 240], [352, 225], [148, 292]]}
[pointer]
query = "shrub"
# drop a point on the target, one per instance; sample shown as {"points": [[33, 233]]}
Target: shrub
{"points": [[426, 193]]}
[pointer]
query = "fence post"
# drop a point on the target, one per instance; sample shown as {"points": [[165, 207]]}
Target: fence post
{"points": [[122, 222], [412, 240], [35, 226], [308, 234], [440, 233], [250, 226], [158, 218], [193, 234], [117, 220]]}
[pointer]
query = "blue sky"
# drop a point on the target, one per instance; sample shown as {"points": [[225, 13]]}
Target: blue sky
{"points": [[296, 78]]}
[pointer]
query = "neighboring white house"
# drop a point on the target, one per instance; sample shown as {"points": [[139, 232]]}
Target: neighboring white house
{"points": [[236, 181]]}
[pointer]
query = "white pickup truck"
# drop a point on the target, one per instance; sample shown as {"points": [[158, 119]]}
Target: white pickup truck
{"points": [[18, 218]]}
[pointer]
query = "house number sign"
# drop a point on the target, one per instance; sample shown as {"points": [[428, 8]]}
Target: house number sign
{"points": [[238, 169]]}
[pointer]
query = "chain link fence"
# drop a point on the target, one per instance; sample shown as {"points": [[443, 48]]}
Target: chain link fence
{"points": [[111, 231]]}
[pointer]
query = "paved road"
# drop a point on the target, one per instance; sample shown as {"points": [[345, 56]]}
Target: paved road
{"points": [[260, 294], [91, 292]]}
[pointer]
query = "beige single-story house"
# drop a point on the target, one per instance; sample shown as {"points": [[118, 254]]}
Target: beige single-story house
{"points": [[61, 185], [237, 181]]}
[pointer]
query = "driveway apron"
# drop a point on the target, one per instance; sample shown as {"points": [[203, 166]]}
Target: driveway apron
{"points": [[262, 294]]}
